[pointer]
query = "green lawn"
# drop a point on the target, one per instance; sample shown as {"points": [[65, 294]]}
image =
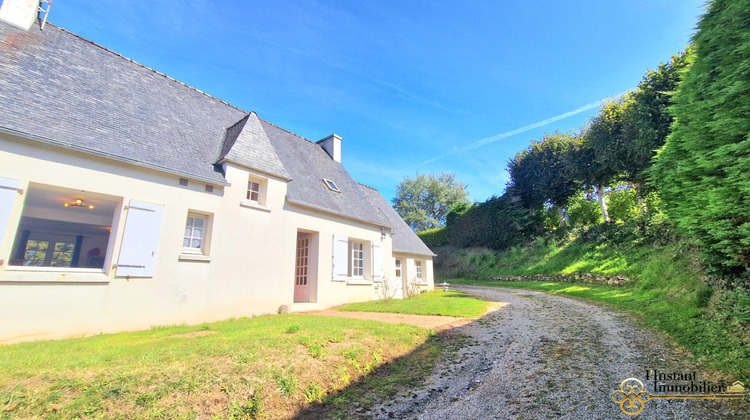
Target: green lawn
{"points": [[266, 367], [431, 303]]}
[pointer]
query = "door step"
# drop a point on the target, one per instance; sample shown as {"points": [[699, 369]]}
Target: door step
{"points": [[305, 307]]}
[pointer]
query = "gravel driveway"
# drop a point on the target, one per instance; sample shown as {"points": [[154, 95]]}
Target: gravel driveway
{"points": [[546, 357]]}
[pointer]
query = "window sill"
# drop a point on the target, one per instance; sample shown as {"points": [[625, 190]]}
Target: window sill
{"points": [[17, 274], [358, 281], [253, 205], [53, 269], [194, 257]]}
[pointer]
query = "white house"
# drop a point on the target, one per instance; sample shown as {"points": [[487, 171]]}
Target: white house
{"points": [[129, 199]]}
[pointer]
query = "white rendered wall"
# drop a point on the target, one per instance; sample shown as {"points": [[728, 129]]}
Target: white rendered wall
{"points": [[252, 252]]}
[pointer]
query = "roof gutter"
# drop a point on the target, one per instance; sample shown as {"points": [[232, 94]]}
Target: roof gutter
{"points": [[412, 253], [325, 210], [105, 155]]}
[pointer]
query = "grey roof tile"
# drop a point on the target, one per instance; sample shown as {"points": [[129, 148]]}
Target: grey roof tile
{"points": [[57, 86], [308, 165], [252, 148], [404, 238], [60, 88]]}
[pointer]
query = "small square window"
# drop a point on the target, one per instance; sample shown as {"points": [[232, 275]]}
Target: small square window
{"points": [[183, 182], [209, 188], [331, 185]]}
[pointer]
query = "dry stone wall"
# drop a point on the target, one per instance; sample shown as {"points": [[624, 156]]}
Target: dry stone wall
{"points": [[577, 277]]}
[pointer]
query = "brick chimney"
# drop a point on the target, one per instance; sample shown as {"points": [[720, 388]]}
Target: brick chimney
{"points": [[21, 13], [332, 146]]}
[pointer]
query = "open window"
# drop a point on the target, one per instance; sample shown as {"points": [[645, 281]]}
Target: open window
{"points": [[63, 228]]}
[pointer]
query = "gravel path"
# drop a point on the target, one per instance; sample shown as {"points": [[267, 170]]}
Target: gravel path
{"points": [[544, 357]]}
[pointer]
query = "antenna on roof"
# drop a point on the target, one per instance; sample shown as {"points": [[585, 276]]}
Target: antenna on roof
{"points": [[44, 11]]}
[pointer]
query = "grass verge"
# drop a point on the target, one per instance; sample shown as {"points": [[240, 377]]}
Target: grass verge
{"points": [[267, 367], [435, 302], [668, 288]]}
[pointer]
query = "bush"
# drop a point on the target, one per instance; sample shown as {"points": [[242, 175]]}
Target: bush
{"points": [[498, 223], [584, 211], [622, 204], [434, 237]]}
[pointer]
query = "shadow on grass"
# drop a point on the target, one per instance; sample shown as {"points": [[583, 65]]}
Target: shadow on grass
{"points": [[392, 379]]}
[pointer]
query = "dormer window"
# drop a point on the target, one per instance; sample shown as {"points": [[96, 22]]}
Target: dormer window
{"points": [[331, 185], [253, 190]]}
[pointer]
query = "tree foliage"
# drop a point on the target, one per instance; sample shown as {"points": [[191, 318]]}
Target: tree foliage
{"points": [[648, 120], [498, 223], [584, 210], [425, 200], [703, 171], [543, 173]]}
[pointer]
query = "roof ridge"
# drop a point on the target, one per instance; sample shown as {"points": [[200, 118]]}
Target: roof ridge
{"points": [[146, 67], [367, 186], [284, 129]]}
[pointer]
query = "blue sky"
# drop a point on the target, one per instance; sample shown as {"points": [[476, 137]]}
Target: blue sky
{"points": [[411, 86]]}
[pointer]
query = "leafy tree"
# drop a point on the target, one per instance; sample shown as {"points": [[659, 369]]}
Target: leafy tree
{"points": [[543, 173], [425, 200], [584, 210], [703, 171], [597, 159], [648, 120], [623, 203]]}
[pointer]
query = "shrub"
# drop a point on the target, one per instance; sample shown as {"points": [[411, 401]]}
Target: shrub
{"points": [[584, 211], [434, 237]]}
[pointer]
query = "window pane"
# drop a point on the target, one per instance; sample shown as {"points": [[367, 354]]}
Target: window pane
{"points": [[196, 243], [254, 196], [36, 253], [190, 221], [186, 242], [198, 222], [197, 233], [63, 254]]}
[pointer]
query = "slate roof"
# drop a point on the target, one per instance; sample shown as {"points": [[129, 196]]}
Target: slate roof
{"points": [[59, 88], [404, 238], [309, 164]]}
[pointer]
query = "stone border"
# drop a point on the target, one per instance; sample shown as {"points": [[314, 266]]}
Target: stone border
{"points": [[581, 277]]}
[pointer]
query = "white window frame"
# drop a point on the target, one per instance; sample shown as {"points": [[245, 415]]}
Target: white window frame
{"points": [[419, 271], [205, 238], [262, 193], [258, 191], [357, 254]]}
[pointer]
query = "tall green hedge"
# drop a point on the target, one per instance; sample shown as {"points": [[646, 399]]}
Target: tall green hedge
{"points": [[703, 171]]}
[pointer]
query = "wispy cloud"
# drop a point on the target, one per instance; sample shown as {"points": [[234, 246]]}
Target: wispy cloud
{"points": [[498, 137]]}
